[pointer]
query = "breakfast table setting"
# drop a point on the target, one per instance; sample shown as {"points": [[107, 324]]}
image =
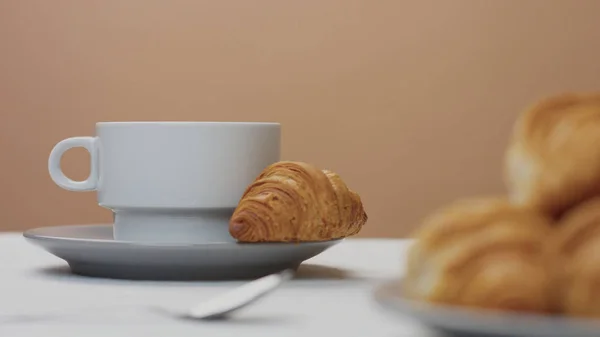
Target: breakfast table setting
{"points": [[197, 243], [214, 234]]}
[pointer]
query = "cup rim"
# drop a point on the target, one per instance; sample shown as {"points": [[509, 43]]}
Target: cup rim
{"points": [[174, 123]]}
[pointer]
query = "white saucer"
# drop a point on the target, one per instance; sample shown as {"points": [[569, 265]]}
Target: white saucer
{"points": [[457, 321], [90, 250]]}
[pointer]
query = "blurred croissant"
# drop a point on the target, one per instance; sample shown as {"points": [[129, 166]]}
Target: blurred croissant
{"points": [[294, 201], [576, 243], [553, 159], [483, 253]]}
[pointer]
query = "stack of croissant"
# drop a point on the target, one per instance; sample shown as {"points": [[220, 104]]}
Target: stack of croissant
{"points": [[537, 249]]}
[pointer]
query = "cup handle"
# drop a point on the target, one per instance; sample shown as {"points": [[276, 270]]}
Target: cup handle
{"points": [[89, 143]]}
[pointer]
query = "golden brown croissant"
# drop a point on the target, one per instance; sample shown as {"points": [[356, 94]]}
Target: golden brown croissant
{"points": [[553, 158], [483, 253], [576, 243], [294, 201]]}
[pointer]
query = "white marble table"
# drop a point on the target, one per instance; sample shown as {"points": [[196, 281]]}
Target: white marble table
{"points": [[331, 296]]}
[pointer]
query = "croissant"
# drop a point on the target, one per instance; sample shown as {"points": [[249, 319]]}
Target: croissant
{"points": [[482, 253], [576, 243], [294, 201], [552, 161]]}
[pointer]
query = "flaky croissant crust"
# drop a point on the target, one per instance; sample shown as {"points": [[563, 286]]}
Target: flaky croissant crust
{"points": [[482, 253], [553, 159], [295, 201], [576, 252]]}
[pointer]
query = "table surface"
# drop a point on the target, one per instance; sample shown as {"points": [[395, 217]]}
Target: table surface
{"points": [[331, 295]]}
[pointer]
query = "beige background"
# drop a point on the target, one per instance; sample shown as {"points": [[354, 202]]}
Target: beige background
{"points": [[410, 101]]}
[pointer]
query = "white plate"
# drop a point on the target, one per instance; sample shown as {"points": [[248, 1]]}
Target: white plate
{"points": [[459, 321], [91, 250]]}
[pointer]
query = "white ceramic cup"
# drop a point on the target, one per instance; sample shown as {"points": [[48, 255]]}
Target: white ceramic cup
{"points": [[171, 182]]}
